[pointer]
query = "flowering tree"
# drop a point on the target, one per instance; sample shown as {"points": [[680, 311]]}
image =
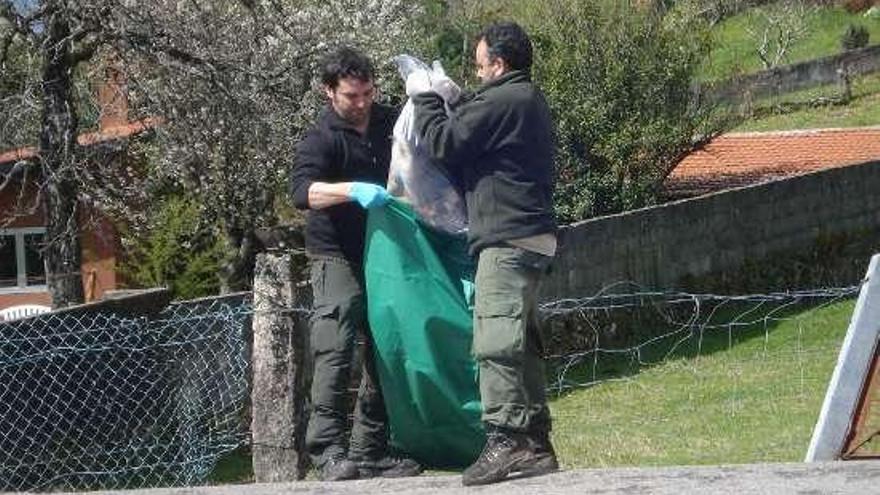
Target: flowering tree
{"points": [[232, 82]]}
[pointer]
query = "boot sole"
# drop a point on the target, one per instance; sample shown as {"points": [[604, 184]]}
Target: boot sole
{"points": [[340, 477], [493, 477], [542, 466], [366, 473], [515, 471]]}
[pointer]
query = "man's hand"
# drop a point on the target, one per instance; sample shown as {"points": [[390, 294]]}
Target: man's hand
{"points": [[434, 80], [418, 82], [442, 84], [368, 195]]}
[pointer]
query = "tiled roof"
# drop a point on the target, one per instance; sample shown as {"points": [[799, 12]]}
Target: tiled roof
{"points": [[88, 138], [741, 159]]}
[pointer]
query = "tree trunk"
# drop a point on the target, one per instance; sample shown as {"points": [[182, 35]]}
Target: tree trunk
{"points": [[236, 271], [57, 155]]}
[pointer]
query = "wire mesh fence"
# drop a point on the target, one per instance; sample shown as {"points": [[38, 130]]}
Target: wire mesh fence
{"points": [[92, 401], [624, 328], [648, 378]]}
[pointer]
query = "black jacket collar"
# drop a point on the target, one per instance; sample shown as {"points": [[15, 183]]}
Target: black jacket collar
{"points": [[335, 122], [514, 76]]}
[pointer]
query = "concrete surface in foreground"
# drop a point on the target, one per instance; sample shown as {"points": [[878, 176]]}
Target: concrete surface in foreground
{"points": [[856, 477]]}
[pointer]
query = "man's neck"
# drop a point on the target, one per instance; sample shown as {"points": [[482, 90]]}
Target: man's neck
{"points": [[360, 127]]}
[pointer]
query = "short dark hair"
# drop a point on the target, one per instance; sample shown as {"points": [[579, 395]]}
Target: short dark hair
{"points": [[508, 41], [345, 62]]}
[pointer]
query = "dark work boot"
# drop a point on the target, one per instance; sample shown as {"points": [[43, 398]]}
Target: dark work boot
{"points": [[338, 468], [507, 452], [389, 465], [545, 456]]}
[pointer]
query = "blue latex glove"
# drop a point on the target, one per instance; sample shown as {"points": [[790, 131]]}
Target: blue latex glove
{"points": [[368, 195]]}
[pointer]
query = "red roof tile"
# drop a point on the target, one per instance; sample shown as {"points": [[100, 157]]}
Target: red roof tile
{"points": [[741, 159], [88, 138]]}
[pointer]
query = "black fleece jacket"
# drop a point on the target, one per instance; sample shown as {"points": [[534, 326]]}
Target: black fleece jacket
{"points": [[501, 140], [333, 151]]}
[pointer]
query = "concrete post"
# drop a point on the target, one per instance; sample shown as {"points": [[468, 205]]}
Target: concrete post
{"points": [[280, 371], [853, 363]]}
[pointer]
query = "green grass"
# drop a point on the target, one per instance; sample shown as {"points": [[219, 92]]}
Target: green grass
{"points": [[752, 396], [234, 467], [734, 49], [734, 53], [800, 111], [733, 397]]}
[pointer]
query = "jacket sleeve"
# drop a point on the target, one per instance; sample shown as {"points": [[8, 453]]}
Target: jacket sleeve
{"points": [[310, 164], [451, 139]]}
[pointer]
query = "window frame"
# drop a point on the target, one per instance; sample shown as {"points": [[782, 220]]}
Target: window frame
{"points": [[21, 269]]}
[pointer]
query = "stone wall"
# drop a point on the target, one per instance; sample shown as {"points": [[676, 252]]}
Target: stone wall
{"points": [[787, 78], [661, 246]]}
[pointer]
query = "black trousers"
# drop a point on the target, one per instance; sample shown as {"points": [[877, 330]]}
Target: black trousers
{"points": [[339, 317]]}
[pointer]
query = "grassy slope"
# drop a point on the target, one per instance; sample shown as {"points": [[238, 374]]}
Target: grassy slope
{"points": [[734, 49], [734, 53], [790, 112], [756, 401]]}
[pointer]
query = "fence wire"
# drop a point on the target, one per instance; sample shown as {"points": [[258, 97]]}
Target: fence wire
{"points": [[98, 401], [92, 400], [625, 328]]}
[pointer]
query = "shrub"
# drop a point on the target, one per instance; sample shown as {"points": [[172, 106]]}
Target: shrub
{"points": [[619, 81], [177, 251], [857, 5], [854, 37]]}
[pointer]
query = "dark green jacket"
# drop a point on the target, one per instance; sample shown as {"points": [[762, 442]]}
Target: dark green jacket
{"points": [[500, 142]]}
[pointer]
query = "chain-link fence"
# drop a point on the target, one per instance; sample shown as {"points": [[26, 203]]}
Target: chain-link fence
{"points": [[96, 400]]}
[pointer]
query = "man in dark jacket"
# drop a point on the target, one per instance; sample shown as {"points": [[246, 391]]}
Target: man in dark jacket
{"points": [[339, 167], [500, 140]]}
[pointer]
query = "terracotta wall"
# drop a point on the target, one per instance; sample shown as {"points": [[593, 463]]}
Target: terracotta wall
{"points": [[99, 243], [99, 251], [15, 299], [11, 200]]}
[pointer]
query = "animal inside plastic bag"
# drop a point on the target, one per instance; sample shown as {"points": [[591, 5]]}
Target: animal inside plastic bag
{"points": [[413, 176]]}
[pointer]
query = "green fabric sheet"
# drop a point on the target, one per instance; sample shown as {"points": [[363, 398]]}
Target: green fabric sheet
{"points": [[420, 292]]}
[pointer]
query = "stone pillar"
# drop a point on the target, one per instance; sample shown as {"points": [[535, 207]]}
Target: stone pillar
{"points": [[280, 370], [844, 84]]}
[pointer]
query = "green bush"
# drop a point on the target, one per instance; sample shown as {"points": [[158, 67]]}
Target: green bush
{"points": [[176, 251], [854, 37], [619, 80]]}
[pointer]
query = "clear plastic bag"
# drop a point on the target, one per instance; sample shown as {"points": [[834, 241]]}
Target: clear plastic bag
{"points": [[413, 176]]}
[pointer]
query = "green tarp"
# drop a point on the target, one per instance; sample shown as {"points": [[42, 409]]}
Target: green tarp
{"points": [[420, 293]]}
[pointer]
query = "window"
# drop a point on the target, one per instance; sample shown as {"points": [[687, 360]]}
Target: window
{"points": [[21, 258]]}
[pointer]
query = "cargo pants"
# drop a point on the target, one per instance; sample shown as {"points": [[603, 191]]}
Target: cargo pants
{"points": [[507, 341], [340, 314]]}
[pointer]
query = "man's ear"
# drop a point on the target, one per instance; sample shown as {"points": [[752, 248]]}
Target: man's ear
{"points": [[503, 63], [328, 91]]}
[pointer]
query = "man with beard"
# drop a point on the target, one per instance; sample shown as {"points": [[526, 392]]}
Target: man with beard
{"points": [[339, 167], [500, 140]]}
